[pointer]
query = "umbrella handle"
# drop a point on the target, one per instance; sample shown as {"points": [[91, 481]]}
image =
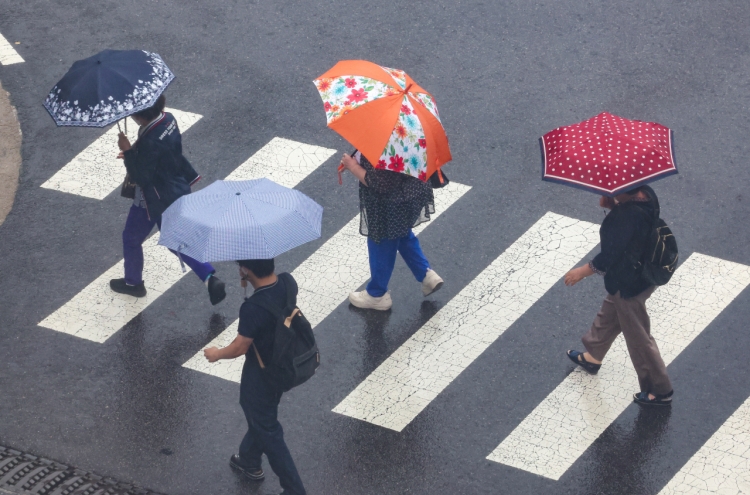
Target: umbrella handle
{"points": [[341, 168], [125, 123], [179, 255]]}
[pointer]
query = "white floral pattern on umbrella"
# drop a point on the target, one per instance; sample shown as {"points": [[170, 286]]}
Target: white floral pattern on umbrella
{"points": [[145, 93], [344, 94], [406, 151]]}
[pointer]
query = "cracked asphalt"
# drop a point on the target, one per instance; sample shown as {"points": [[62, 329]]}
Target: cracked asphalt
{"points": [[503, 74]]}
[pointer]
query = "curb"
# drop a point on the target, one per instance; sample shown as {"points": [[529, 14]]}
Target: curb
{"points": [[22, 474], [10, 153]]}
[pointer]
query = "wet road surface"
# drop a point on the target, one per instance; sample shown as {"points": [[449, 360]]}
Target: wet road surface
{"points": [[502, 74]]}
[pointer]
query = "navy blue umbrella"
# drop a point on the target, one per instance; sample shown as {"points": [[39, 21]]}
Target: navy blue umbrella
{"points": [[108, 87]]}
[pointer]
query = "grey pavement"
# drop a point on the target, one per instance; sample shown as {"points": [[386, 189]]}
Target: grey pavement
{"points": [[503, 74]]}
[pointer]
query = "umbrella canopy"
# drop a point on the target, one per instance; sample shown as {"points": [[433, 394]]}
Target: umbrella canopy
{"points": [[238, 220], [108, 87], [383, 113], [608, 154]]}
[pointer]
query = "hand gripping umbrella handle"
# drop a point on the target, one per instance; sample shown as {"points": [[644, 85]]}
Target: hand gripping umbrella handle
{"points": [[341, 168]]}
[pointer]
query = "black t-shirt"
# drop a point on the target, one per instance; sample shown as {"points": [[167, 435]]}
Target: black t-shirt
{"points": [[258, 323]]}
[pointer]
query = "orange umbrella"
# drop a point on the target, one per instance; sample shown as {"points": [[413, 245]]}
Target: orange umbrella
{"points": [[388, 117]]}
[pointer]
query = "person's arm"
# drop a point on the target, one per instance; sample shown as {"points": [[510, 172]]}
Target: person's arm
{"points": [[355, 168], [615, 239], [577, 274], [239, 346]]}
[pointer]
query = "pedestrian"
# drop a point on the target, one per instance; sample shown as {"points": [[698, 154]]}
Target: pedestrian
{"points": [[391, 204], [160, 174], [258, 397], [624, 236]]}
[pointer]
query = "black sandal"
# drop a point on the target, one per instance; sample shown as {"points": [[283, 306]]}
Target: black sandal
{"points": [[577, 357], [642, 399]]}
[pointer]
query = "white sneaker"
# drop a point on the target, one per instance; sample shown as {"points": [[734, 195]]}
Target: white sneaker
{"points": [[366, 301], [431, 283]]}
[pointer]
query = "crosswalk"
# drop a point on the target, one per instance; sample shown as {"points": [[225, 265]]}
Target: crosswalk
{"points": [[405, 384], [324, 279], [400, 388], [583, 406], [8, 55], [722, 464], [96, 171], [96, 312]]}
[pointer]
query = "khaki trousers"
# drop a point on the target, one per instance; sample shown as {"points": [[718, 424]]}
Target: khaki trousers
{"points": [[629, 316]]}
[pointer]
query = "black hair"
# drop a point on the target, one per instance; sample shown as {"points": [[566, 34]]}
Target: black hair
{"points": [[154, 110], [260, 268]]}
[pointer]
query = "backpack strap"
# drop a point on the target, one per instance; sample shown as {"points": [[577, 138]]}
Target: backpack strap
{"points": [[291, 297], [257, 354], [275, 310]]}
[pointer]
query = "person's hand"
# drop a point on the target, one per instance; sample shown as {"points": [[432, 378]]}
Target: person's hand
{"points": [[123, 142], [607, 202], [212, 354], [575, 275], [350, 163], [121, 155]]}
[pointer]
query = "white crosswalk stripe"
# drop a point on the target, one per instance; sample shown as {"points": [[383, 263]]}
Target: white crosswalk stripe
{"points": [[416, 373], [324, 279], [96, 171], [8, 54], [722, 464], [96, 313], [583, 406]]}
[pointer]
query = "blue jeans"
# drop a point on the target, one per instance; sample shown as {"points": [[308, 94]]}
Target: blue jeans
{"points": [[383, 259], [260, 403], [137, 227]]}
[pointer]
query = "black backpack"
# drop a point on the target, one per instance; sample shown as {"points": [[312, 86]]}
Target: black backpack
{"points": [[660, 254], [295, 353]]}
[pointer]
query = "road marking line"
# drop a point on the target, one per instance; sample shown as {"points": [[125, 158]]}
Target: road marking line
{"points": [[418, 371], [95, 172], [8, 54], [96, 312], [324, 279], [583, 406], [722, 464]]}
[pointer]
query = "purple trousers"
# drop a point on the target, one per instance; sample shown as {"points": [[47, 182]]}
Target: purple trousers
{"points": [[137, 227]]}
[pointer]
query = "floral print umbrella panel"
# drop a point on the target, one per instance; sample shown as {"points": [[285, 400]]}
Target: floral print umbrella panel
{"points": [[385, 115], [607, 154], [107, 87]]}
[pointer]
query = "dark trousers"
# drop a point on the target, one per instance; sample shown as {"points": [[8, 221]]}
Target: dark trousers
{"points": [[629, 316], [137, 228], [383, 259], [265, 435]]}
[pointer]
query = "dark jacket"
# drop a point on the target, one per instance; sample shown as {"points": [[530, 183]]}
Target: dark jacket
{"points": [[624, 234], [156, 164]]}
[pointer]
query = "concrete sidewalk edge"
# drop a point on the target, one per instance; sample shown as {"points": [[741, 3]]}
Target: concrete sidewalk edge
{"points": [[10, 153]]}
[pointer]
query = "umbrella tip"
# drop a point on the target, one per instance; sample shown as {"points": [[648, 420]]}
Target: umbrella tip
{"points": [[237, 194]]}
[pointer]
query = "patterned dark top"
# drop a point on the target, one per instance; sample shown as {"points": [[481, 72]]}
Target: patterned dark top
{"points": [[392, 203]]}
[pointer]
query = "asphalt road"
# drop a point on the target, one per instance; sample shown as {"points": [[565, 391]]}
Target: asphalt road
{"points": [[503, 73]]}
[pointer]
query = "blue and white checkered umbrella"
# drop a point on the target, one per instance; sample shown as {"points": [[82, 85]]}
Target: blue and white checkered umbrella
{"points": [[239, 220]]}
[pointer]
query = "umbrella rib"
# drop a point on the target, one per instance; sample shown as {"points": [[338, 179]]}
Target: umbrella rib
{"points": [[263, 234]]}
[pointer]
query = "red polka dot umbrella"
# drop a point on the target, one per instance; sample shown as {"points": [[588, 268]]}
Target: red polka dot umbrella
{"points": [[607, 154]]}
